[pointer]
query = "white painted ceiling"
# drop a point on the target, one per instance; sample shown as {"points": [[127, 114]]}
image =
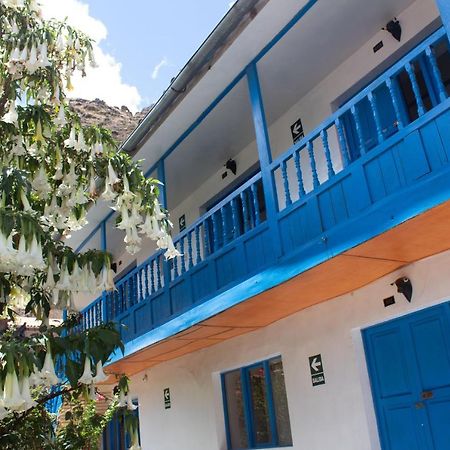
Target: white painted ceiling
{"points": [[224, 133], [314, 47]]}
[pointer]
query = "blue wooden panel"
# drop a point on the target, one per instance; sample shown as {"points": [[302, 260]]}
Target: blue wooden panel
{"points": [[326, 210], [443, 124], [301, 224], [355, 190], [432, 352], [389, 353], [258, 251], [203, 282], [160, 309], [390, 172], [402, 433], [436, 154], [143, 318], [181, 296], [229, 267], [375, 180], [413, 158], [333, 207], [127, 329], [439, 420]]}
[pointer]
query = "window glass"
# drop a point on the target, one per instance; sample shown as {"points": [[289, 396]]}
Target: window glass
{"points": [[235, 407], [280, 402], [260, 412], [257, 414]]}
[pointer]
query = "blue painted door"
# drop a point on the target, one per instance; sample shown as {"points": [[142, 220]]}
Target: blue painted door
{"points": [[409, 367]]}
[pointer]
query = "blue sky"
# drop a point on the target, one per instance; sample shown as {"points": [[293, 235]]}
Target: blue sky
{"points": [[144, 35], [142, 44]]}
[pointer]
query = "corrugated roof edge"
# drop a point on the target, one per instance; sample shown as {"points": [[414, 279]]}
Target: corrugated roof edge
{"points": [[227, 30]]}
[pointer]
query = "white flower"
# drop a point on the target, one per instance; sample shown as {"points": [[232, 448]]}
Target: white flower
{"points": [[40, 183], [25, 202], [112, 176], [157, 211], [35, 254], [63, 283], [108, 194], [87, 377], [43, 60], [11, 116], [11, 395], [130, 405], [26, 394], [135, 440], [23, 54], [3, 412], [80, 144], [71, 141], [18, 149], [171, 251], [48, 373], [135, 217], [32, 64], [97, 148], [100, 375], [60, 43], [106, 282], [55, 296], [92, 184], [35, 377], [92, 393], [122, 400], [132, 237], [14, 28], [60, 119], [18, 297]]}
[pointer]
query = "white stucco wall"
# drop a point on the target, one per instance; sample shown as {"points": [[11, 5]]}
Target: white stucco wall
{"points": [[338, 415]]}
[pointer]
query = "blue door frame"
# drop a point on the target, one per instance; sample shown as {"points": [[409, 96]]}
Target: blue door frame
{"points": [[409, 368]]}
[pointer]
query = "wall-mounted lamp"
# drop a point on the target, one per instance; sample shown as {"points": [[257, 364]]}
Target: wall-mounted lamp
{"points": [[394, 28], [231, 165], [404, 286]]}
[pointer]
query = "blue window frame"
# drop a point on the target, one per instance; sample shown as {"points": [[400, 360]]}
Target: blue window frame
{"points": [[255, 404]]}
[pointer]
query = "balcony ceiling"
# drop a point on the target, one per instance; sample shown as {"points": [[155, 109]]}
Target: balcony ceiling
{"points": [[314, 47], [308, 53]]}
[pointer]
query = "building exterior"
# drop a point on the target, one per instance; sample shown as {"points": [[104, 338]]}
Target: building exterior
{"points": [[305, 151]]}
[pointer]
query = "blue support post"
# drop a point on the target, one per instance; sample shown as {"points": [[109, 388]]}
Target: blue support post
{"points": [[264, 152], [104, 246], [161, 174], [444, 10], [166, 265]]}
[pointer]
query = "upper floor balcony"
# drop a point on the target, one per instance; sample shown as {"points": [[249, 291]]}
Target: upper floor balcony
{"points": [[347, 203]]}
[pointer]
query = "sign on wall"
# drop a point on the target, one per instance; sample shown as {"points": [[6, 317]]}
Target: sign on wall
{"points": [[297, 130], [167, 402], [182, 223], [316, 368]]}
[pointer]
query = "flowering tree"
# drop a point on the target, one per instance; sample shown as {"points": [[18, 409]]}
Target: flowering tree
{"points": [[52, 169]]}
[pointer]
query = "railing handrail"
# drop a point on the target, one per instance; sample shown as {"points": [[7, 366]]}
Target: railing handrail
{"points": [[331, 119], [216, 208]]}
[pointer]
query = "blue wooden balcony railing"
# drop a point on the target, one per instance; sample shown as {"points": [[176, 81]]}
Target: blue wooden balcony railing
{"points": [[359, 167]]}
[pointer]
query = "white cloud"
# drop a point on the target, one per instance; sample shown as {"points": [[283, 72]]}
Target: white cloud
{"points": [[158, 67], [105, 81]]}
